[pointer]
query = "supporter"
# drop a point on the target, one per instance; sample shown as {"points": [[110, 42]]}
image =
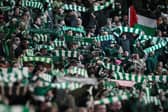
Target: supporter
{"points": [[100, 108], [80, 56]]}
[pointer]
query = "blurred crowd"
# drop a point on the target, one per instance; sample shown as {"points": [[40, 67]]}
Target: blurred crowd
{"points": [[18, 40]]}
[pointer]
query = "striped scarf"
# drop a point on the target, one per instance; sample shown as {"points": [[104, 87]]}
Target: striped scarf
{"points": [[48, 47], [109, 85], [36, 59], [140, 78], [129, 77], [57, 43], [104, 38], [76, 70], [151, 99], [114, 99], [41, 38], [129, 30], [13, 74], [45, 77], [144, 38], [43, 31], [155, 47], [7, 108], [66, 53], [29, 52], [83, 43], [75, 29], [64, 85], [74, 8], [5, 8], [32, 4], [112, 67], [157, 78], [105, 5], [51, 47]]}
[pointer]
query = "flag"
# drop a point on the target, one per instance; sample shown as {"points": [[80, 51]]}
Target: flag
{"points": [[132, 16], [137, 20]]}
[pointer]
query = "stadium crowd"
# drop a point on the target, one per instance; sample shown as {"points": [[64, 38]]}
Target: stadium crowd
{"points": [[59, 56]]}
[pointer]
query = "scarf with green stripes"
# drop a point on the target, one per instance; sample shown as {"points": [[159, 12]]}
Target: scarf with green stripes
{"points": [[76, 29], [10, 75], [104, 38], [7, 108], [114, 99], [66, 53], [112, 67], [151, 99], [32, 4], [41, 38], [155, 47], [36, 59], [74, 8], [101, 7], [76, 70]]}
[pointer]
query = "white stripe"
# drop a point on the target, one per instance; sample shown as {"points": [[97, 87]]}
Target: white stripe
{"points": [[145, 21]]}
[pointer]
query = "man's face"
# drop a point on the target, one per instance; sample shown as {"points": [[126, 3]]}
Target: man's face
{"points": [[38, 22]]}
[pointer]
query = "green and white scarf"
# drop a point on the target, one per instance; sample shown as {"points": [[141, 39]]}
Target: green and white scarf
{"points": [[74, 8], [75, 29], [64, 85], [157, 78], [129, 30], [112, 67], [57, 43], [13, 74], [101, 7], [36, 59], [48, 47], [32, 4], [7, 108], [41, 38], [151, 99], [129, 77], [109, 100], [104, 38], [155, 47], [79, 71], [66, 53]]}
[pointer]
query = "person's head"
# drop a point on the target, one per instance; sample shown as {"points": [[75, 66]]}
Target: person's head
{"points": [[60, 11], [38, 21], [125, 18], [69, 33], [116, 19], [165, 20], [109, 20], [25, 44], [124, 36], [1, 18], [61, 22], [17, 11], [152, 53], [43, 51], [159, 21], [82, 109], [115, 106], [126, 53], [100, 108], [159, 33], [160, 64], [17, 40], [120, 50], [79, 22]]}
